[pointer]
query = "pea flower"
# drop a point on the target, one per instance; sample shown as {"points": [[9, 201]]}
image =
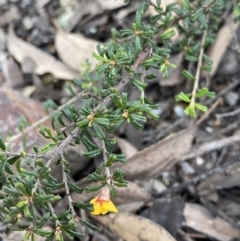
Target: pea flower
{"points": [[102, 203]]}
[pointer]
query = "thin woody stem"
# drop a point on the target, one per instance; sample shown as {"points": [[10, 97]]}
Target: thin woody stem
{"points": [[69, 198], [105, 160], [197, 75]]}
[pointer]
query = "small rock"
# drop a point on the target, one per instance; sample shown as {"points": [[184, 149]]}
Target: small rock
{"points": [[158, 186], [231, 98], [28, 23], [187, 168], [200, 161], [179, 110]]}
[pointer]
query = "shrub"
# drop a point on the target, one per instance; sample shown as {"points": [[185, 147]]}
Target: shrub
{"points": [[27, 192]]}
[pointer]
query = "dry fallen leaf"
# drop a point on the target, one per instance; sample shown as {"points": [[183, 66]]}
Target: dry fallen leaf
{"points": [[126, 147], [159, 157], [223, 39], [12, 107], [134, 228], [11, 72], [200, 219], [44, 62], [74, 49]]}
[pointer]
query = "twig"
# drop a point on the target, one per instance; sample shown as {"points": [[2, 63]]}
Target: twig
{"points": [[65, 179], [32, 155], [105, 160], [180, 187], [227, 114], [206, 114], [210, 146], [224, 91], [197, 75]]}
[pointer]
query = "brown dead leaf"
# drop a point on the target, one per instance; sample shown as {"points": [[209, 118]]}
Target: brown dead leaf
{"points": [[12, 107], [126, 147], [223, 39], [159, 157], [12, 74], [44, 62], [200, 219], [74, 49], [131, 207], [134, 228]]}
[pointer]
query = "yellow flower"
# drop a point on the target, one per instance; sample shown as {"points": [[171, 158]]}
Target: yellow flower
{"points": [[102, 203]]}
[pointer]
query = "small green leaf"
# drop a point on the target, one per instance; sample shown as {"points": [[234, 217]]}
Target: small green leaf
{"points": [[96, 177], [2, 144], [138, 44], [201, 107], [3, 163], [49, 103], [95, 188], [50, 237], [102, 121], [190, 111], [197, 14], [12, 191], [82, 123], [42, 232], [89, 225], [75, 234], [85, 206], [207, 59], [118, 184], [92, 153], [183, 97], [35, 148], [13, 159], [74, 187], [44, 198], [99, 132], [167, 34], [115, 126], [100, 58], [44, 172], [158, 3], [188, 75]]}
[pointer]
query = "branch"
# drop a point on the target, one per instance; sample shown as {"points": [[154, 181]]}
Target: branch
{"points": [[105, 159], [69, 198], [197, 75]]}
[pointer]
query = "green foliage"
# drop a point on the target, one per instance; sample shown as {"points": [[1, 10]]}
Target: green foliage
{"points": [[26, 182]]}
